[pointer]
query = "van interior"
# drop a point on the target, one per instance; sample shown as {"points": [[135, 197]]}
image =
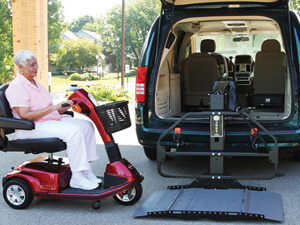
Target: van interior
{"points": [[245, 53]]}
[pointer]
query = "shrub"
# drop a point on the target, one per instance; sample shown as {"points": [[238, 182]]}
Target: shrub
{"points": [[94, 77], [68, 72], [75, 76], [132, 73], [83, 77], [105, 93], [56, 73], [91, 76]]}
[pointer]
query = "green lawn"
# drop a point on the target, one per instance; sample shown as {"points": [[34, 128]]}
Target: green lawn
{"points": [[61, 83]]}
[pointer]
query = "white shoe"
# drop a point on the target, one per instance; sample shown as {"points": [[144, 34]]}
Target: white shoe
{"points": [[91, 176], [84, 184], [98, 180]]}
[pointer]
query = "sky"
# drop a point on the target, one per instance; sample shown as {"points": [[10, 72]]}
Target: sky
{"points": [[76, 8]]}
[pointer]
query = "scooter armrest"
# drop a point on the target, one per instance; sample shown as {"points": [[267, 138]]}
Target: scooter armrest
{"points": [[16, 123]]}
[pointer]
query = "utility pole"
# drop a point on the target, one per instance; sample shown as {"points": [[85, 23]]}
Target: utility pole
{"points": [[123, 43]]}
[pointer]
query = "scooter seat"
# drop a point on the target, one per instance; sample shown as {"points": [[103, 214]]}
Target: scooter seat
{"points": [[35, 146], [8, 124]]}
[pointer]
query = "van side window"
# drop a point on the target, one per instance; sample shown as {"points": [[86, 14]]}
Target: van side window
{"points": [[297, 49], [296, 38], [148, 50], [188, 51]]}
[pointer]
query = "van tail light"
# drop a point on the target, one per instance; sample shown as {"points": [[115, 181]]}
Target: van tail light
{"points": [[140, 86]]}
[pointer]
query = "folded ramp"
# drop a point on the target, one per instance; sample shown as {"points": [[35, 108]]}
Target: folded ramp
{"points": [[195, 203]]}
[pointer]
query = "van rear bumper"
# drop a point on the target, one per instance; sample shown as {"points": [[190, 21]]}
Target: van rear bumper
{"points": [[149, 136]]}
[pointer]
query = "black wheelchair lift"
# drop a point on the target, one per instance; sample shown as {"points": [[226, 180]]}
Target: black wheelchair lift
{"points": [[216, 193]]}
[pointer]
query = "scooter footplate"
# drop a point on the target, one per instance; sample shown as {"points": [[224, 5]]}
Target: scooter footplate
{"points": [[195, 203], [96, 191]]}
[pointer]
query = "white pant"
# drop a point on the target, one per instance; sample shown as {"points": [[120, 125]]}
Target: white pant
{"points": [[79, 135]]}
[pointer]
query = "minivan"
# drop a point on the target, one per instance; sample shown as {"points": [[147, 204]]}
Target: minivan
{"points": [[250, 47]]}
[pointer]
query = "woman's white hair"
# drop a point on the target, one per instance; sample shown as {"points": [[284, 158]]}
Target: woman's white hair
{"points": [[22, 57]]}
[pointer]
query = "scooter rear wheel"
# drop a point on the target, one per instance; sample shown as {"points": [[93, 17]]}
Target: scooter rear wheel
{"points": [[17, 193], [130, 196]]}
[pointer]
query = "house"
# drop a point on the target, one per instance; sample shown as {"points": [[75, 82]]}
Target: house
{"points": [[69, 35], [90, 35]]}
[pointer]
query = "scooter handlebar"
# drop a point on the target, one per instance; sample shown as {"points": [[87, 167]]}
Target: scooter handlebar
{"points": [[64, 105]]}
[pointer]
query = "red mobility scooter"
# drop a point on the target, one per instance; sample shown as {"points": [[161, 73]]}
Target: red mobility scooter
{"points": [[48, 177]]}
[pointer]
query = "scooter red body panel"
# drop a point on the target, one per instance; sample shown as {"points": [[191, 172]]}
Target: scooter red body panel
{"points": [[51, 181], [42, 176]]}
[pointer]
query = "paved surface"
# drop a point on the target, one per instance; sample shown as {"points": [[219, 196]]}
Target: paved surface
{"points": [[80, 212]]}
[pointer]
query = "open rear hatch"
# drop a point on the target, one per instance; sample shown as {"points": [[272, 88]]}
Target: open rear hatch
{"points": [[230, 3], [175, 91]]}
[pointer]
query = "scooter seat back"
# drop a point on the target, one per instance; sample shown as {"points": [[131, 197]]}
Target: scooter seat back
{"points": [[8, 125], [5, 110]]}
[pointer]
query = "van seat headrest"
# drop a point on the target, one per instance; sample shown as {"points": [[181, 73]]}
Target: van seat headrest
{"points": [[271, 45], [208, 45]]}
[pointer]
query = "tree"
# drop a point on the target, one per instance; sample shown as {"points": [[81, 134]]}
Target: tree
{"points": [[55, 23], [139, 15], [90, 27], [78, 53], [77, 25], [295, 4], [6, 42], [109, 28]]}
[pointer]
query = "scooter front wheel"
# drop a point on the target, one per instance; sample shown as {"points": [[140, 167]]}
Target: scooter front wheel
{"points": [[17, 193], [96, 205], [130, 196]]}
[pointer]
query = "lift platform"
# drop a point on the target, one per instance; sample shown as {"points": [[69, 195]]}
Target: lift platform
{"points": [[192, 202]]}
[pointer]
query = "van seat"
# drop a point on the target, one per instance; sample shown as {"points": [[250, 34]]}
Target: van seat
{"points": [[209, 46], [198, 72], [269, 76]]}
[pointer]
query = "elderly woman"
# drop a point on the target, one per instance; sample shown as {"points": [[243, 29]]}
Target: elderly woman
{"points": [[29, 100]]}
